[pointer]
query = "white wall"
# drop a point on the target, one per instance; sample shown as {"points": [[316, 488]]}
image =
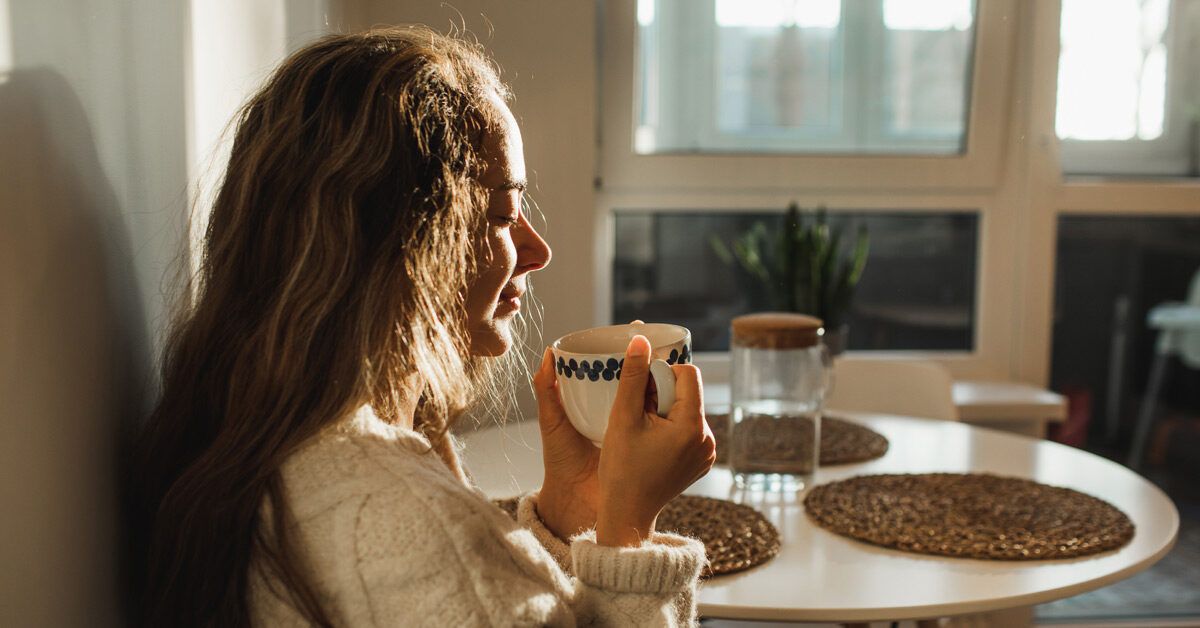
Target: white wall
{"points": [[92, 186], [102, 118]]}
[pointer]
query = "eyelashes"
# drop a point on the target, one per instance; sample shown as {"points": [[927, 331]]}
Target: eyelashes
{"points": [[512, 220]]}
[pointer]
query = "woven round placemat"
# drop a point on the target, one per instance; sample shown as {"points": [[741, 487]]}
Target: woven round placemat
{"points": [[842, 441], [969, 516], [735, 537]]}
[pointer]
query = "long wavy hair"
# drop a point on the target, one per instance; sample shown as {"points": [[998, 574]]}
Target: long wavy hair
{"points": [[334, 267]]}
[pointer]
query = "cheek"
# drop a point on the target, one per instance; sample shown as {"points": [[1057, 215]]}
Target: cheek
{"points": [[501, 255], [496, 263]]}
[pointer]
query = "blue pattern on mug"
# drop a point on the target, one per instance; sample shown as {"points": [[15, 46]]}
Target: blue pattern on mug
{"points": [[611, 368], [680, 357]]}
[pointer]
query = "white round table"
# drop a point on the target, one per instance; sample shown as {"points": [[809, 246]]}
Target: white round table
{"points": [[820, 576]]}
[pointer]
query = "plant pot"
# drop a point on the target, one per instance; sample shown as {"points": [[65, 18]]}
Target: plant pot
{"points": [[836, 339]]}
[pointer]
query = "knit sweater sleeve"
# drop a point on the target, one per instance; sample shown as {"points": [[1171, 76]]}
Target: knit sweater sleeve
{"points": [[653, 584], [527, 517], [451, 558], [564, 554]]}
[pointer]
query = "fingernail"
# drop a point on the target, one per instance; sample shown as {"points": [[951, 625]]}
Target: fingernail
{"points": [[638, 347]]}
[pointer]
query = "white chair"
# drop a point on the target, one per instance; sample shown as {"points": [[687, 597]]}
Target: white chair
{"points": [[1178, 326], [917, 388], [905, 387]]}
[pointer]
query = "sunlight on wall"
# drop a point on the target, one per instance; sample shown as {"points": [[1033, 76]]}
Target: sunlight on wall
{"points": [[6, 43], [645, 12], [234, 45]]}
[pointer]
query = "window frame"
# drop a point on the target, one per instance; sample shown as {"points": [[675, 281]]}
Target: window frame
{"points": [[975, 168]]}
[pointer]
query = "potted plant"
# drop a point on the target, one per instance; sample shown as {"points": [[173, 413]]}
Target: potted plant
{"points": [[803, 268]]}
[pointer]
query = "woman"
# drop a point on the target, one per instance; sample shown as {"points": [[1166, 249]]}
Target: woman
{"points": [[363, 268]]}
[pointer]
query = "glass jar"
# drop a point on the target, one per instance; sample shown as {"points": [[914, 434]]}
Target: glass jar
{"points": [[780, 371]]}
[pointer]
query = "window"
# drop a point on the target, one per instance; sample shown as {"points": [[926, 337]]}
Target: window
{"points": [[804, 76], [916, 293], [1128, 97], [1111, 270], [895, 112]]}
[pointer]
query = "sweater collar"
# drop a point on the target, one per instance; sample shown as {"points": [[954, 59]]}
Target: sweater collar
{"points": [[364, 421]]}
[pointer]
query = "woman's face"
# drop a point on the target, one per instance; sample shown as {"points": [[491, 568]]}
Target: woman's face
{"points": [[510, 248]]}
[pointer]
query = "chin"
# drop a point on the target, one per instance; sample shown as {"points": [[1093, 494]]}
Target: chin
{"points": [[493, 340]]}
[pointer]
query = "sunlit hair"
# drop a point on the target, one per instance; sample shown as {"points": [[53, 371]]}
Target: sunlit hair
{"points": [[334, 268]]}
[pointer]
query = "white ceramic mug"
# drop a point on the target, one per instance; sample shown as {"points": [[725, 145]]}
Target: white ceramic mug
{"points": [[588, 366]]}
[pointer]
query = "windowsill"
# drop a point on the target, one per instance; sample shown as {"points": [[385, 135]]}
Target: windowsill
{"points": [[715, 364], [1091, 180]]}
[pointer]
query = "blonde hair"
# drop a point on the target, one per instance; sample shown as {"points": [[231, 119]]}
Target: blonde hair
{"points": [[335, 262]]}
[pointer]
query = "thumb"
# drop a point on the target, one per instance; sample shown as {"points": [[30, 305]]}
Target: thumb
{"points": [[635, 373]]}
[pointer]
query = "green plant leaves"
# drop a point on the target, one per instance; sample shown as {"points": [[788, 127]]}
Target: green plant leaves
{"points": [[805, 268]]}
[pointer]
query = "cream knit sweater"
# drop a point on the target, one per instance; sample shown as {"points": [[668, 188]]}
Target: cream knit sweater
{"points": [[392, 538]]}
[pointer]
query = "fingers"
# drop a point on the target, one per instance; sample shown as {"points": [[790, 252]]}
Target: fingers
{"points": [[688, 415], [543, 379], [708, 447], [689, 391], [631, 391], [550, 410]]}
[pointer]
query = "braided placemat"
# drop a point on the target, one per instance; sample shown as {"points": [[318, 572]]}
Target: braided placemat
{"points": [[735, 537], [842, 441], [969, 516]]}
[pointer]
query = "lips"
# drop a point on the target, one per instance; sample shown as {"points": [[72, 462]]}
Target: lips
{"points": [[510, 299]]}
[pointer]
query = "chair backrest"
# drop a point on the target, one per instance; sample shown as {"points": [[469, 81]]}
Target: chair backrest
{"points": [[1189, 344], [892, 386]]}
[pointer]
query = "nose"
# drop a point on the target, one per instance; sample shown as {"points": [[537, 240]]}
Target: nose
{"points": [[533, 253]]}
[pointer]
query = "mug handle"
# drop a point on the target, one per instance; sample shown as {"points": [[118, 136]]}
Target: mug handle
{"points": [[664, 381]]}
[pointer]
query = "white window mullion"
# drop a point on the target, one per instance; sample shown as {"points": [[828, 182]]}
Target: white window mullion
{"points": [[862, 45]]}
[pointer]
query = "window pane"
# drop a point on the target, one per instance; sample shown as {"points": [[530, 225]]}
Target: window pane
{"points": [[803, 76], [1127, 95], [1125, 38], [775, 71], [1110, 271], [926, 96], [916, 293]]}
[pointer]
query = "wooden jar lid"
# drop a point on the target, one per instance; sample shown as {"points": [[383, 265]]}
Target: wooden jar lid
{"points": [[776, 330]]}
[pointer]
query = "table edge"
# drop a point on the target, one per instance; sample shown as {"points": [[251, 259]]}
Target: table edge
{"points": [[725, 611], [957, 608]]}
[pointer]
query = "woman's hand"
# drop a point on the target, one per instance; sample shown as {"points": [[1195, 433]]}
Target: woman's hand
{"points": [[570, 491], [647, 460]]}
